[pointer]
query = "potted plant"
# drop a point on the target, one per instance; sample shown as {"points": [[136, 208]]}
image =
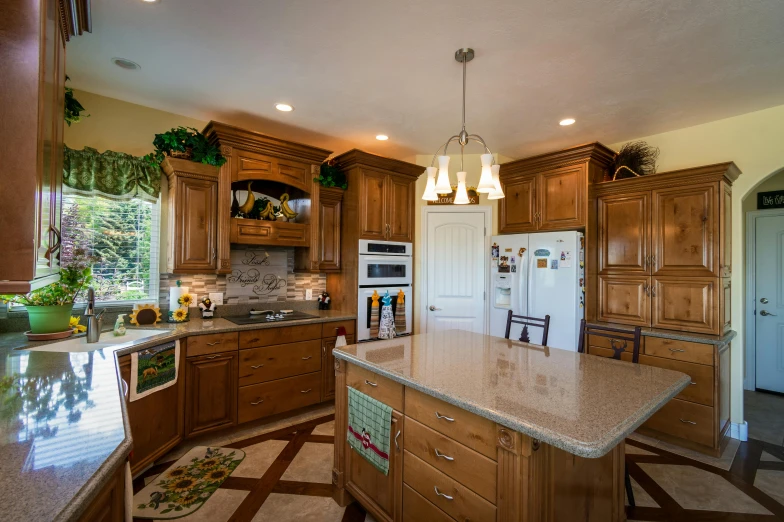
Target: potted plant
{"points": [[187, 143], [49, 308], [330, 176]]}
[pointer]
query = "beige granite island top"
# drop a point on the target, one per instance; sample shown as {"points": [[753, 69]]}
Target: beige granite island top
{"points": [[579, 403]]}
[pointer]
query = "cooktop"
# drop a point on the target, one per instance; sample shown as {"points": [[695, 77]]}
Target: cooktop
{"points": [[271, 317]]}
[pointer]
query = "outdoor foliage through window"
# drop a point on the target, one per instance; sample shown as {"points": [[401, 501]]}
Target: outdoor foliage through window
{"points": [[124, 235]]}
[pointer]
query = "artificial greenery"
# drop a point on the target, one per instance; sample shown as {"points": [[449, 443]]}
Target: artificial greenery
{"points": [[75, 276], [73, 109], [330, 176], [185, 140]]}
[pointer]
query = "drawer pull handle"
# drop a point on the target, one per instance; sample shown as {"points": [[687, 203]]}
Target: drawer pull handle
{"points": [[258, 401], [306, 391], [373, 384], [257, 366], [443, 494], [255, 340], [442, 456], [448, 419], [308, 357], [688, 422], [213, 344], [676, 350], [212, 356], [693, 383], [396, 436]]}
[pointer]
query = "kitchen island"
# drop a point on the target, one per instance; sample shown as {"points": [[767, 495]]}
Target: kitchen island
{"points": [[487, 429]]}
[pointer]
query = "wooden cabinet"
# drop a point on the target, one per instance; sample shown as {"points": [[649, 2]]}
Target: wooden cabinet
{"points": [[400, 221], [386, 210], [32, 65], [657, 248], [328, 366], [325, 231], [550, 191], [269, 398], [193, 226], [210, 392], [109, 503], [157, 420]]}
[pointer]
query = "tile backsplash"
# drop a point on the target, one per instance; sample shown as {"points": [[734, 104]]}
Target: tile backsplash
{"points": [[203, 284]]}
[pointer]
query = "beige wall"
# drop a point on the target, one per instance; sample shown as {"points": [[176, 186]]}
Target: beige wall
{"points": [[754, 142]]}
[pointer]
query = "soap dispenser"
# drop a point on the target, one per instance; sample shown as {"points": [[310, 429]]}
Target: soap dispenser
{"points": [[119, 326]]}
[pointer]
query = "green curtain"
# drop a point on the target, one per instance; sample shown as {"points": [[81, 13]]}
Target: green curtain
{"points": [[110, 174]]}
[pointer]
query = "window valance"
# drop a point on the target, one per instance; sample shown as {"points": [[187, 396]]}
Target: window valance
{"points": [[110, 174]]}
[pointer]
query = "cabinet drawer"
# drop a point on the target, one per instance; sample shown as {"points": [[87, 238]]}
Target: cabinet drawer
{"points": [[287, 334], [417, 509], [268, 398], [277, 233], [472, 469], [679, 350], [380, 388], [279, 361], [213, 343], [464, 504], [331, 329], [685, 420], [466, 428]]}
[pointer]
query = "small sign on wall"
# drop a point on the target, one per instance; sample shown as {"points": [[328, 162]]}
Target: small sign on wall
{"points": [[449, 199], [772, 199], [257, 272]]}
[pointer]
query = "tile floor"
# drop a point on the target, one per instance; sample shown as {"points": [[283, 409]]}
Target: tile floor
{"points": [[286, 476], [764, 414]]}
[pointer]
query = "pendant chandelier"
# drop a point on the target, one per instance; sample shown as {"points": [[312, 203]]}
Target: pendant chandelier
{"points": [[489, 182]]}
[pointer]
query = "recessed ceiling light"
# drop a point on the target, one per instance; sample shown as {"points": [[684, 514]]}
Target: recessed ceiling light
{"points": [[126, 64], [382, 137], [149, 1], [284, 107], [565, 122]]}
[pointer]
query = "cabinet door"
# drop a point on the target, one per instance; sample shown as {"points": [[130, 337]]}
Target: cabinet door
{"points": [[725, 232], [157, 421], [686, 303], [517, 208], [329, 234], [195, 225], [560, 195], [210, 392], [624, 233], [685, 230], [328, 367], [372, 205], [624, 299], [381, 495], [400, 208]]}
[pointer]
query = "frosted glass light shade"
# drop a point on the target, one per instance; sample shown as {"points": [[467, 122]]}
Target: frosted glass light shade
{"points": [[497, 192], [430, 188], [486, 178], [461, 198], [442, 182]]}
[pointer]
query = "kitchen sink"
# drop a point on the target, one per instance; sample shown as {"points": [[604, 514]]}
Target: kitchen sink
{"points": [[80, 344]]}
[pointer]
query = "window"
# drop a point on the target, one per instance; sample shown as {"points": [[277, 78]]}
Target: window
{"points": [[124, 234]]}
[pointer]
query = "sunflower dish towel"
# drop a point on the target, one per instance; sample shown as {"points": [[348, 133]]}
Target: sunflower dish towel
{"points": [[369, 424]]}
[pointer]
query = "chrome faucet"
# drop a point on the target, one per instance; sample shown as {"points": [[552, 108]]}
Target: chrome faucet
{"points": [[94, 321]]}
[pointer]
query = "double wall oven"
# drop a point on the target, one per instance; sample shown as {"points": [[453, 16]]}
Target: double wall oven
{"points": [[384, 266]]}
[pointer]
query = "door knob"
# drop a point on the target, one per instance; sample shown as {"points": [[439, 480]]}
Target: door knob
{"points": [[433, 308], [765, 313], [764, 300]]}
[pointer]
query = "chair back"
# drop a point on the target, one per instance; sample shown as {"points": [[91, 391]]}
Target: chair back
{"points": [[526, 321], [620, 340]]}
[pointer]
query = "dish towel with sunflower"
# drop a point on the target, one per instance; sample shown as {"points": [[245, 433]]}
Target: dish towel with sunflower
{"points": [[369, 425], [154, 369], [187, 484]]}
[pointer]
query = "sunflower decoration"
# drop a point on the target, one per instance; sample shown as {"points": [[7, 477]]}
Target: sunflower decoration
{"points": [[216, 475], [182, 485], [179, 315], [73, 323], [209, 463], [185, 300], [177, 472], [189, 498], [145, 314]]}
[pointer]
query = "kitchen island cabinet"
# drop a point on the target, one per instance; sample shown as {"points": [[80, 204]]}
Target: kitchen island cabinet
{"points": [[479, 441]]}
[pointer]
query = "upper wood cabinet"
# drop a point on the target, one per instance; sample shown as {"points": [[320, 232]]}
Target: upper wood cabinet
{"points": [[31, 137], [193, 220], [326, 223], [671, 234], [550, 191], [401, 210]]}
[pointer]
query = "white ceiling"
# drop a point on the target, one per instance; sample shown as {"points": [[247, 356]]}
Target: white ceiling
{"points": [[356, 68]]}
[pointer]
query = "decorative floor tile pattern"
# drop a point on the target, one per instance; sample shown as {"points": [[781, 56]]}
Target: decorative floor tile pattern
{"points": [[286, 479]]}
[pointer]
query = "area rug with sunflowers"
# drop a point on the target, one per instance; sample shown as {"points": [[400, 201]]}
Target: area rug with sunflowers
{"points": [[187, 484]]}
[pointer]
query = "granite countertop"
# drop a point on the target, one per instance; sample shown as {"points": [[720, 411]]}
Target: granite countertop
{"points": [[63, 423], [718, 340], [580, 403]]}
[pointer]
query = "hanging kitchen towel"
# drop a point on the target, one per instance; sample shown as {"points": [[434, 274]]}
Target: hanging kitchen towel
{"points": [[400, 312], [154, 369], [369, 424], [375, 315], [341, 338]]}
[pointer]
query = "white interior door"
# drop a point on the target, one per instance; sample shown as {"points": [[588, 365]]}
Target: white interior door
{"points": [[455, 271], [769, 303]]}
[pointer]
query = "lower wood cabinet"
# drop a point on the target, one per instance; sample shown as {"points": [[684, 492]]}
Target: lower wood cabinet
{"points": [[210, 392], [278, 396], [328, 365], [109, 504], [624, 299]]}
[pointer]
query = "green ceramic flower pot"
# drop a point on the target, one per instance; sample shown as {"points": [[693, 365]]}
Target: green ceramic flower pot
{"points": [[49, 319]]}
